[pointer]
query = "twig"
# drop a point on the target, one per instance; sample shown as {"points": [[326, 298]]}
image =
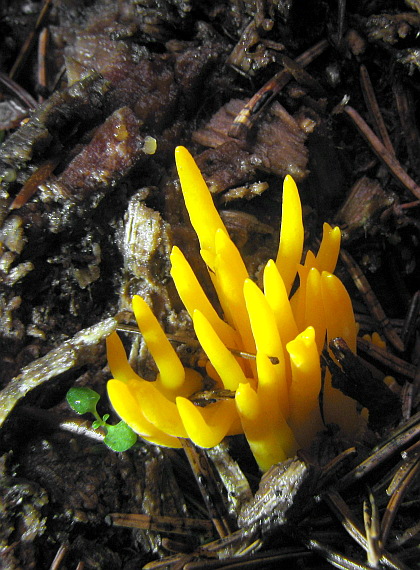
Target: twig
{"points": [[252, 109], [15, 88], [382, 153], [30, 40], [406, 107], [195, 343], [59, 556], [410, 471], [42, 68], [372, 529], [340, 20], [177, 525], [374, 111], [371, 300], [410, 321], [399, 439], [382, 356], [210, 492], [32, 184], [345, 516]]}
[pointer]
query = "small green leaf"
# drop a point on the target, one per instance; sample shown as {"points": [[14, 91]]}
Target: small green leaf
{"points": [[120, 437], [105, 417], [82, 400], [97, 424]]}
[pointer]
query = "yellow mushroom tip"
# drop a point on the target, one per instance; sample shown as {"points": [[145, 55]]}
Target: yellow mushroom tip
{"points": [[179, 150], [182, 155]]}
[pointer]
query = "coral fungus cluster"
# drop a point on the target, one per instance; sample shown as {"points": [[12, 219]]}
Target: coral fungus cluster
{"points": [[273, 399]]}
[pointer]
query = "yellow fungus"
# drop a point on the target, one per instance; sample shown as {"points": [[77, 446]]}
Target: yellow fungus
{"points": [[207, 426], [230, 274], [171, 371], [267, 339], [339, 317], [375, 339], [117, 360], [326, 258], [194, 298], [124, 398], [275, 397], [204, 217], [305, 417], [291, 233], [339, 314], [314, 307], [276, 294], [220, 356]]}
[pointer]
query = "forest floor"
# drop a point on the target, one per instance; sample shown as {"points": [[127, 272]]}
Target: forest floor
{"points": [[330, 93]]}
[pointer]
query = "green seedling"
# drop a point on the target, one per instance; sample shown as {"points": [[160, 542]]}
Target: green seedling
{"points": [[119, 437]]}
